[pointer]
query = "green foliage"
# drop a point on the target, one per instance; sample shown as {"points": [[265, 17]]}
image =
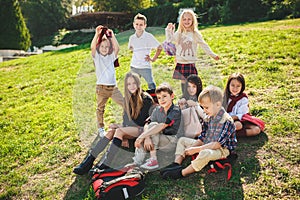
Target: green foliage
{"points": [[13, 31], [154, 17], [45, 17], [119, 5], [47, 117], [235, 11]]}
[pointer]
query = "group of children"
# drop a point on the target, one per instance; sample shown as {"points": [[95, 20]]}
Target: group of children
{"points": [[159, 126]]}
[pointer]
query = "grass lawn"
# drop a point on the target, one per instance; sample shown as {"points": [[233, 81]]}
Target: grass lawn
{"points": [[47, 117]]}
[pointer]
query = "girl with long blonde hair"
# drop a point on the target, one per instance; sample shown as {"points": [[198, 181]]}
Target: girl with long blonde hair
{"points": [[186, 39]]}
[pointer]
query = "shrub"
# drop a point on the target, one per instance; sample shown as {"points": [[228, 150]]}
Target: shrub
{"points": [[13, 30]]}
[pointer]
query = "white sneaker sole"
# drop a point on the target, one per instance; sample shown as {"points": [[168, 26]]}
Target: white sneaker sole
{"points": [[150, 167]]}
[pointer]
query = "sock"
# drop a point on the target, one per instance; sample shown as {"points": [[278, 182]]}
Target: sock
{"points": [[100, 146], [117, 142]]}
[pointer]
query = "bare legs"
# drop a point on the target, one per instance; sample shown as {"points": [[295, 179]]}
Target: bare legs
{"points": [[248, 129]]}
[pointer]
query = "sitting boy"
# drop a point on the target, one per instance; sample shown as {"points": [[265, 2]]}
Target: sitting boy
{"points": [[216, 140], [162, 132]]}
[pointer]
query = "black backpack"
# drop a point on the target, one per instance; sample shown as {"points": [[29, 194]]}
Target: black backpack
{"points": [[118, 184], [218, 165]]}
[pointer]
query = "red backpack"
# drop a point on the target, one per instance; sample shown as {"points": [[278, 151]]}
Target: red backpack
{"points": [[118, 184], [218, 165]]}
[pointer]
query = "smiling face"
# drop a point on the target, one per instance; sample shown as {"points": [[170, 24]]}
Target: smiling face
{"points": [[187, 21], [131, 85], [235, 87], [139, 25], [192, 89], [165, 99], [104, 47]]}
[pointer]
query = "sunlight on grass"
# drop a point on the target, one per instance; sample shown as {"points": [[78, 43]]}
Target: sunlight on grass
{"points": [[48, 116]]}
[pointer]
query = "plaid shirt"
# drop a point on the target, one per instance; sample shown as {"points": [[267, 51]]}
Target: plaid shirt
{"points": [[220, 129]]}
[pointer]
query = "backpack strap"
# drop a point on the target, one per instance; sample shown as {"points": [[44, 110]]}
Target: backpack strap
{"points": [[213, 169], [106, 184]]}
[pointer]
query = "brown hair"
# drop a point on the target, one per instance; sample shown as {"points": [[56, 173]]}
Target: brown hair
{"points": [[237, 76], [196, 80], [164, 87], [103, 39], [133, 102]]}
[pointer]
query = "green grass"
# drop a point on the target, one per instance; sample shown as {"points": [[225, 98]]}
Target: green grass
{"points": [[47, 117]]}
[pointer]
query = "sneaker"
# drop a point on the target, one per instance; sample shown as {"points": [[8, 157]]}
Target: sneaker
{"points": [[150, 164], [101, 132], [173, 174], [172, 166]]}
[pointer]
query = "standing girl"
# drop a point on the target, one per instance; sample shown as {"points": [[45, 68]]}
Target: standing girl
{"points": [[104, 49], [186, 39], [236, 103], [136, 112]]}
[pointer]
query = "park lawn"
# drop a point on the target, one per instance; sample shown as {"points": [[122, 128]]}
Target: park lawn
{"points": [[47, 117]]}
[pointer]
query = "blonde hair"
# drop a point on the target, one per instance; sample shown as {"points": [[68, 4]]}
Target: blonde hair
{"points": [[133, 102], [181, 28], [214, 93], [140, 17]]}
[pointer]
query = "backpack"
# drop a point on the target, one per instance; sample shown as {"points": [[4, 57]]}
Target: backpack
{"points": [[118, 184], [218, 165], [169, 48]]}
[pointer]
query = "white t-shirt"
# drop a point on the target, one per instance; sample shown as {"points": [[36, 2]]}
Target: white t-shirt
{"points": [[105, 70], [142, 47]]}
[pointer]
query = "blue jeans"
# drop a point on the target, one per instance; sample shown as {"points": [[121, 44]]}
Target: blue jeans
{"points": [[146, 73]]}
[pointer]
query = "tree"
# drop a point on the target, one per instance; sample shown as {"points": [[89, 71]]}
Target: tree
{"points": [[13, 31], [130, 6], [45, 17]]}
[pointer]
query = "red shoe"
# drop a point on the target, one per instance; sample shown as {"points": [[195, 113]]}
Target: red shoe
{"points": [[150, 164]]}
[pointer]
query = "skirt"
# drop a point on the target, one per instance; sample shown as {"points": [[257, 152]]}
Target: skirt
{"points": [[182, 71]]}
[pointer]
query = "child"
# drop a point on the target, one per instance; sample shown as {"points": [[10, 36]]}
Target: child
{"points": [[138, 106], [237, 105], [186, 39], [192, 91], [141, 43], [193, 114], [216, 141], [163, 130], [104, 52]]}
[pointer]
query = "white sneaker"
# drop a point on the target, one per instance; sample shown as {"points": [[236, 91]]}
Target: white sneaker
{"points": [[150, 164], [101, 132]]}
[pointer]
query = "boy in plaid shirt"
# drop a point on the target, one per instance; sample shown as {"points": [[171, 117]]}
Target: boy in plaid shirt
{"points": [[216, 141]]}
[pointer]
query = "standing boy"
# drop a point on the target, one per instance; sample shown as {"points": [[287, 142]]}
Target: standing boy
{"points": [[162, 132], [216, 141], [105, 48], [141, 43]]}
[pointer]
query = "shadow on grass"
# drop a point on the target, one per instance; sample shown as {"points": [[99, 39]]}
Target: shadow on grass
{"points": [[202, 185], [245, 170], [79, 188], [199, 185]]}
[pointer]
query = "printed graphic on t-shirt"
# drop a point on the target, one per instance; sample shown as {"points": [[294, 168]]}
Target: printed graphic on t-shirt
{"points": [[186, 46]]}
